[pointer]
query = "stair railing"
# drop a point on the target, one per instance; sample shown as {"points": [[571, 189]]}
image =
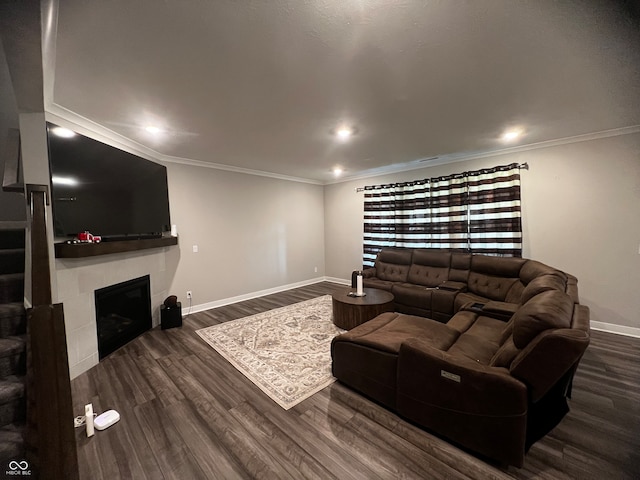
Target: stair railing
{"points": [[50, 437]]}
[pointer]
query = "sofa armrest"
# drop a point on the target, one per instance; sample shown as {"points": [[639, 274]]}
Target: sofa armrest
{"points": [[369, 272], [494, 309], [548, 357], [453, 286], [458, 383]]}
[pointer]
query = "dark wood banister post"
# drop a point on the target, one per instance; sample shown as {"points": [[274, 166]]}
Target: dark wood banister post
{"points": [[50, 436], [38, 198]]}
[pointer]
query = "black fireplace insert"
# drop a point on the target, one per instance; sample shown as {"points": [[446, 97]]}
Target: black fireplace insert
{"points": [[123, 311]]}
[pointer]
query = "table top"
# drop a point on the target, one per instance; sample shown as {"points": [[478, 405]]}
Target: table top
{"points": [[374, 296]]}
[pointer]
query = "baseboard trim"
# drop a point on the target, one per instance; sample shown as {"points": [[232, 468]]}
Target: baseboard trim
{"points": [[599, 326], [260, 293], [617, 329], [341, 281]]}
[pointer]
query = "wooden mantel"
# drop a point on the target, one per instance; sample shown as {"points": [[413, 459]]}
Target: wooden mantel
{"points": [[81, 250]]}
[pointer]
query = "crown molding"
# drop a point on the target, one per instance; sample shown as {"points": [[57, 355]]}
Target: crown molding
{"points": [[464, 156], [67, 118], [231, 168]]}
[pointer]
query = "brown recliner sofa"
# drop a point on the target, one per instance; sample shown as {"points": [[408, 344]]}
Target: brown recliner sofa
{"points": [[487, 380], [436, 283]]}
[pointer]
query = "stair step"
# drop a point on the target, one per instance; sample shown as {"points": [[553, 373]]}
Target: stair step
{"points": [[11, 239], [12, 355], [11, 388], [12, 260], [12, 401], [11, 287], [13, 319], [12, 443]]}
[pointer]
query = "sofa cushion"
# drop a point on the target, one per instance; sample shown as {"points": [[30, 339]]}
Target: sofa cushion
{"points": [[480, 341], [505, 354], [541, 284], [412, 295], [429, 267], [489, 286], [474, 348], [392, 264], [487, 328], [460, 266], [387, 331], [392, 272], [549, 309], [377, 283], [508, 267], [462, 321], [533, 269]]}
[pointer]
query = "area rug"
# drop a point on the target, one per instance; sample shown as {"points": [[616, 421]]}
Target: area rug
{"points": [[286, 352]]}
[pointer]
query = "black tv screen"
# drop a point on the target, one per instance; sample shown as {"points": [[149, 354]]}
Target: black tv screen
{"points": [[105, 190]]}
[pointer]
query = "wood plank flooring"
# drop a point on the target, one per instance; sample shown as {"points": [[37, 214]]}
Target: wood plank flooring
{"points": [[188, 414]]}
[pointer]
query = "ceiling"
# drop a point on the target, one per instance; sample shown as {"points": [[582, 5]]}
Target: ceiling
{"points": [[263, 85]]}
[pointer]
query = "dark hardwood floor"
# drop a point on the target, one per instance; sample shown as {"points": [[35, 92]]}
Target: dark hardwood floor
{"points": [[186, 413]]}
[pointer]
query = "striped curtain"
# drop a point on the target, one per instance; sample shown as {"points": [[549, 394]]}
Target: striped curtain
{"points": [[477, 212]]}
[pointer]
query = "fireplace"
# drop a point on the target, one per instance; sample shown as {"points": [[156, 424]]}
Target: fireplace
{"points": [[123, 311]]}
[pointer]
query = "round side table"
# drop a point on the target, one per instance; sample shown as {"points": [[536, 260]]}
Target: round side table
{"points": [[349, 312]]}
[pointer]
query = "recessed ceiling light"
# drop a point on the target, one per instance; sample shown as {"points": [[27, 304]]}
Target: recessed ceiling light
{"points": [[63, 132], [153, 129], [512, 134], [344, 133], [337, 171], [64, 181]]}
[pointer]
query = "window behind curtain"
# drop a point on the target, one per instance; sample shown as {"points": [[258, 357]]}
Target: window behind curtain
{"points": [[477, 212]]}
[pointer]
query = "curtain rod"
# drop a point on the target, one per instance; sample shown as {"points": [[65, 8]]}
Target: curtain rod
{"points": [[523, 166]]}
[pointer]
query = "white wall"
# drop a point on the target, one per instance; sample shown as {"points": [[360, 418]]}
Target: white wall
{"points": [[253, 233], [581, 214]]}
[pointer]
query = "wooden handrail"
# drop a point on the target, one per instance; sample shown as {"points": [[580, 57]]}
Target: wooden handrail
{"points": [[38, 198], [50, 437]]}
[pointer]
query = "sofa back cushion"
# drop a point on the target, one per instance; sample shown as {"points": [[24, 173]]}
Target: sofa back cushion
{"points": [[542, 284], [460, 267], [392, 264], [494, 277], [533, 269], [505, 354], [429, 267], [550, 309]]}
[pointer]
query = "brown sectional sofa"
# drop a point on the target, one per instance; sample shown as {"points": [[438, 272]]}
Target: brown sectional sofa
{"points": [[481, 350]]}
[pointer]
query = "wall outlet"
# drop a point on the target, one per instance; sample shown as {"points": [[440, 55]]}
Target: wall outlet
{"points": [[315, 269], [189, 294]]}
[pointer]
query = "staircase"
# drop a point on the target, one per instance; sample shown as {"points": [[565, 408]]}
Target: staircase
{"points": [[12, 346]]}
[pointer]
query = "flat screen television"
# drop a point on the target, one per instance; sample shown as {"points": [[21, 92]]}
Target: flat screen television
{"points": [[104, 190]]}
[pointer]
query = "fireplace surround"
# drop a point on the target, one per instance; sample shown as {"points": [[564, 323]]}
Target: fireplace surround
{"points": [[123, 312]]}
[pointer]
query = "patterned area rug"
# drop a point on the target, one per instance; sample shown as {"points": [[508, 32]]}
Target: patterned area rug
{"points": [[286, 352]]}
